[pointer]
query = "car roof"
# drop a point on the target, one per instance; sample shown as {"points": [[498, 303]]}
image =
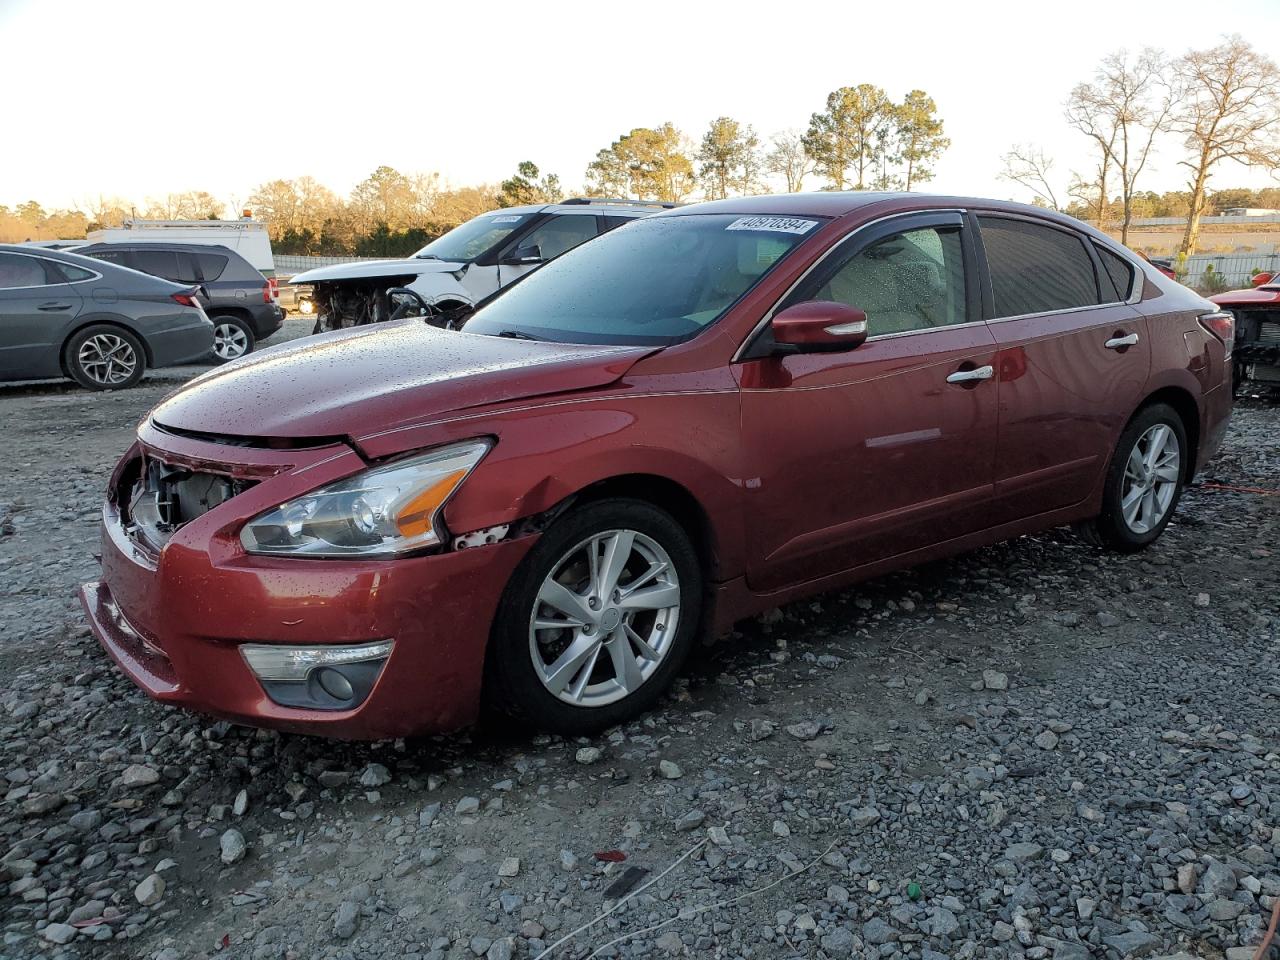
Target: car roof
{"points": [[100, 267], [838, 203], [162, 245], [591, 205]]}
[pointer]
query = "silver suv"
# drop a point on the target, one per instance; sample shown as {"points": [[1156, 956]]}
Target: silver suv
{"points": [[468, 263]]}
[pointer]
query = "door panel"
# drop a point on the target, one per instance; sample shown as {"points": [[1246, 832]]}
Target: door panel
{"points": [[35, 315], [1064, 397], [1064, 393], [867, 454]]}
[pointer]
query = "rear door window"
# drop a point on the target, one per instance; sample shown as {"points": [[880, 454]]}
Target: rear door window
{"points": [[120, 257], [1036, 268], [17, 271], [158, 263], [187, 270]]}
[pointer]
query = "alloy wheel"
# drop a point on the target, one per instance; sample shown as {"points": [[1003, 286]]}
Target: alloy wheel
{"points": [[604, 618], [1150, 478], [107, 359], [229, 341]]}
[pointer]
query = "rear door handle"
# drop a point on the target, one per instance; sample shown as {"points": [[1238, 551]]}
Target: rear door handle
{"points": [[54, 306], [1115, 343], [977, 373]]}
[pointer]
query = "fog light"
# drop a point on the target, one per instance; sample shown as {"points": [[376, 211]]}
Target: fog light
{"points": [[317, 677], [334, 684]]}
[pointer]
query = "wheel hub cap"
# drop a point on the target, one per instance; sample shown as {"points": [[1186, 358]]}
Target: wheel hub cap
{"points": [[1150, 479], [107, 359], [591, 653], [229, 341]]}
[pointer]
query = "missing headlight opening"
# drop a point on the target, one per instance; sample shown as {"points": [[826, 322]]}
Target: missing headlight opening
{"points": [[162, 498]]}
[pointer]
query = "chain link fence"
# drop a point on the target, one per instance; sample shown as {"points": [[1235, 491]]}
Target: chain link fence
{"points": [[1235, 270]]}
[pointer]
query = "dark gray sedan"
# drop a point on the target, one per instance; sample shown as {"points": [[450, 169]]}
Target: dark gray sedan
{"points": [[63, 315]]}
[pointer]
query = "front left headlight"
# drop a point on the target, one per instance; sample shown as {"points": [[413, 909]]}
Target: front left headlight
{"points": [[385, 511]]}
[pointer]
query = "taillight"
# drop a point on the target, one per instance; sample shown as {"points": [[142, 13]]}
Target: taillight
{"points": [[271, 290], [1222, 325], [185, 299]]}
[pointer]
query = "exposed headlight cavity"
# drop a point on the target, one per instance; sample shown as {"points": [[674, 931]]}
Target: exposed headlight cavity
{"points": [[384, 511]]}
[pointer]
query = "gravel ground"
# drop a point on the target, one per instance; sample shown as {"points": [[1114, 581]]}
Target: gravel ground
{"points": [[1035, 750]]}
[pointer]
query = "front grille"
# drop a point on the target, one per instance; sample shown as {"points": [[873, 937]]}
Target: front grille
{"points": [[157, 499], [1269, 333]]}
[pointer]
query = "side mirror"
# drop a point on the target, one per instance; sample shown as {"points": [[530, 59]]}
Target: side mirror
{"points": [[819, 325], [523, 255], [406, 303]]}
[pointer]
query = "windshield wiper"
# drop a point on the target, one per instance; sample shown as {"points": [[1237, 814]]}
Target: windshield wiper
{"points": [[516, 335]]}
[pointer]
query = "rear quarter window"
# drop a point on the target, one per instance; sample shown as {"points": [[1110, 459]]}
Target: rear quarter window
{"points": [[73, 273], [1118, 274], [211, 265], [1036, 268]]}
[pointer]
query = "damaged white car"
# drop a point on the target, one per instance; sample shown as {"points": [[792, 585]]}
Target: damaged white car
{"points": [[467, 264]]}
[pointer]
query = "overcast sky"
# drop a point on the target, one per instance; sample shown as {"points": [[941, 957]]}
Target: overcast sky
{"points": [[140, 99]]}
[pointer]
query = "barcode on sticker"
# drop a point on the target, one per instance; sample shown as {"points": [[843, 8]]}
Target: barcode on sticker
{"points": [[504, 219], [773, 224]]}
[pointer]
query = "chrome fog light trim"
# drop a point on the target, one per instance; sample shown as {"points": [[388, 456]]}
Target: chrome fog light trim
{"points": [[278, 662]]}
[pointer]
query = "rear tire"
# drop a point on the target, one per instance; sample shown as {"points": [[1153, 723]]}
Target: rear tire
{"points": [[629, 619], [1143, 484], [232, 338], [104, 357]]}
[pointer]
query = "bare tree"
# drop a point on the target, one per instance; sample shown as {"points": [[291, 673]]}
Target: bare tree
{"points": [[789, 159], [1123, 110], [1090, 194], [1229, 110], [1029, 166]]}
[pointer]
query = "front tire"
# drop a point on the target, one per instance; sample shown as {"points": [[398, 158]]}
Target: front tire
{"points": [[1144, 482], [232, 338], [597, 620], [103, 357]]}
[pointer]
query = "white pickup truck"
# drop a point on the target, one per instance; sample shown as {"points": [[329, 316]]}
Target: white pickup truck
{"points": [[468, 263]]}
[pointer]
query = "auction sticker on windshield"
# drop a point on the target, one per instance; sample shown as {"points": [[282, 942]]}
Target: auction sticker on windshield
{"points": [[773, 224], [506, 219]]}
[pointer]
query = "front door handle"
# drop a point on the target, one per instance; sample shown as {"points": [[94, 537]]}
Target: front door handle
{"points": [[1117, 343], [977, 373], [54, 306]]}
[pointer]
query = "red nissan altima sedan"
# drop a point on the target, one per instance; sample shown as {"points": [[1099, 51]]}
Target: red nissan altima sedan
{"points": [[693, 418]]}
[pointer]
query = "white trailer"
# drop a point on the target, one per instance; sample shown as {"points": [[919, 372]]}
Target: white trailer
{"points": [[246, 237]]}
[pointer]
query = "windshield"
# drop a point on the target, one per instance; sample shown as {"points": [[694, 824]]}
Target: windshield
{"points": [[473, 238], [653, 281]]}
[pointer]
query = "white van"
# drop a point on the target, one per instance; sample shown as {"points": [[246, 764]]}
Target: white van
{"points": [[246, 237]]}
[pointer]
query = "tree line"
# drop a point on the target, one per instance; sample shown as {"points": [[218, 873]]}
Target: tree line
{"points": [[1220, 105], [861, 139]]}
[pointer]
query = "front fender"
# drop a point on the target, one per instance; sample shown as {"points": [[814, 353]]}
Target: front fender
{"points": [[550, 451], [438, 287]]}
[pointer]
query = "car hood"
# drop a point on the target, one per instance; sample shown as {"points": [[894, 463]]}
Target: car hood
{"points": [[376, 268], [357, 383], [1257, 295]]}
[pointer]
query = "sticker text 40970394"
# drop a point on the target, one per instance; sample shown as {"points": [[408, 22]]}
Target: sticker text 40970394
{"points": [[773, 224]]}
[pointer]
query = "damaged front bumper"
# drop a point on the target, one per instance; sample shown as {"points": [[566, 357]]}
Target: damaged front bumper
{"points": [[187, 622]]}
